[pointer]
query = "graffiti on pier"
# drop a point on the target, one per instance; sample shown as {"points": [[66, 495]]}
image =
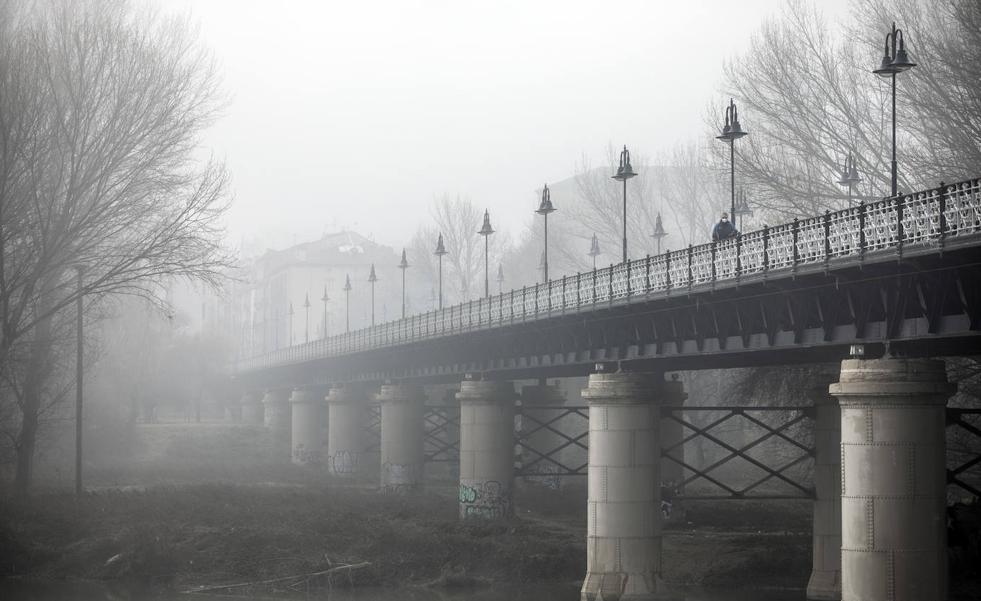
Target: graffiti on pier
{"points": [[545, 475], [488, 500], [343, 462], [304, 455]]}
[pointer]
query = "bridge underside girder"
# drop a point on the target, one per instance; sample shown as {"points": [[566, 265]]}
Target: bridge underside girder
{"points": [[923, 306]]}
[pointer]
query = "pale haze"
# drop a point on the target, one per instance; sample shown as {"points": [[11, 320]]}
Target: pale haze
{"points": [[357, 115]]}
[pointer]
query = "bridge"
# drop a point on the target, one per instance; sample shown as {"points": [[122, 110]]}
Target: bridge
{"points": [[883, 288]]}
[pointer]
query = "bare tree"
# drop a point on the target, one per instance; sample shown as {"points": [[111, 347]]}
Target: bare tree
{"points": [[101, 108]]}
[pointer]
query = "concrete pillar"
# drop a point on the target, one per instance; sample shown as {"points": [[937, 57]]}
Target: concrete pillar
{"points": [[623, 531], [308, 436], [253, 412], [402, 458], [345, 434], [234, 408], [893, 526], [540, 439], [672, 473], [825, 581], [277, 420], [486, 448]]}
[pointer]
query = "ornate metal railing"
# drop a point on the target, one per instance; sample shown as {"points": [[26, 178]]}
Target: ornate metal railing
{"points": [[892, 225]]}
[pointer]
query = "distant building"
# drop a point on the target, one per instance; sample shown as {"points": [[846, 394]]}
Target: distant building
{"points": [[281, 281]]}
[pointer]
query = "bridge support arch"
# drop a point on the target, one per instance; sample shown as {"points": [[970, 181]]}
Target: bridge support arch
{"points": [[402, 457], [307, 409], [893, 506], [277, 420], [623, 545], [486, 448]]}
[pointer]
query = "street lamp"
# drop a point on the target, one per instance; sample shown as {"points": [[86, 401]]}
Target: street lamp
{"points": [[372, 278], [306, 322], [544, 209], [291, 323], [624, 172], [347, 303], [594, 250], [500, 278], [895, 60], [486, 230], [731, 132], [543, 266], [439, 252], [403, 265], [659, 232], [325, 298], [849, 176], [742, 208]]}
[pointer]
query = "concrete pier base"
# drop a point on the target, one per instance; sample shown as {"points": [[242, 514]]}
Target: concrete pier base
{"points": [[277, 420], [345, 434], [486, 449], [402, 458], [623, 537], [309, 445], [825, 581], [540, 440], [893, 507], [253, 412]]}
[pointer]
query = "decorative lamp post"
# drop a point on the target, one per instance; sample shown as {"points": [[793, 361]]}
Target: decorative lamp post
{"points": [[895, 60], [659, 232], [306, 322], [486, 230], [742, 209], [731, 132], [347, 303], [291, 323], [403, 265], [325, 298], [500, 278], [624, 172], [372, 278], [543, 267], [594, 250], [849, 176], [544, 209], [439, 252]]}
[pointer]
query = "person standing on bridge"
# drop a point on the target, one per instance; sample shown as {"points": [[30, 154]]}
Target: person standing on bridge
{"points": [[724, 229]]}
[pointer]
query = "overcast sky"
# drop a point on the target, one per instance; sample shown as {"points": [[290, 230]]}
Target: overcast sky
{"points": [[356, 114]]}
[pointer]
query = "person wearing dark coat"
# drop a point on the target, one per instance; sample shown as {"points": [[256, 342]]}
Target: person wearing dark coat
{"points": [[723, 229]]}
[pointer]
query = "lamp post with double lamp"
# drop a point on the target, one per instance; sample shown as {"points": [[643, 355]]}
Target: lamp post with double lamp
{"points": [[347, 303], [403, 265], [659, 232], [486, 230], [439, 252], [849, 176], [500, 278], [732, 131], [624, 172], [325, 298], [594, 250], [742, 209], [544, 209], [372, 278], [895, 60]]}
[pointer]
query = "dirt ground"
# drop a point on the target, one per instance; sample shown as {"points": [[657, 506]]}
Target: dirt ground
{"points": [[204, 504]]}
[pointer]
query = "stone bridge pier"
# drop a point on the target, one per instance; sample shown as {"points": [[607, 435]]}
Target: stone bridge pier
{"points": [[402, 434], [345, 434], [893, 479], [277, 421], [486, 448], [623, 532], [307, 412], [252, 409]]}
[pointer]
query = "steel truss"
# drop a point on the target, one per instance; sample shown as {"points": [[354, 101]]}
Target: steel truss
{"points": [[544, 419], [958, 418], [442, 436]]}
